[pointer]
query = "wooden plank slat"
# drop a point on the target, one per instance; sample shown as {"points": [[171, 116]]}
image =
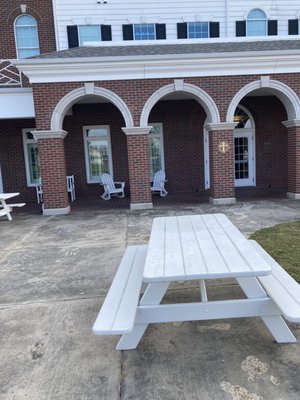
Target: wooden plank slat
{"points": [[174, 262], [118, 311], [234, 262], [194, 262], [254, 260], [154, 264], [281, 287]]}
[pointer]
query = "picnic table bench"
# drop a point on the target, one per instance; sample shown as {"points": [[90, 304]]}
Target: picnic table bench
{"points": [[196, 247], [6, 209]]}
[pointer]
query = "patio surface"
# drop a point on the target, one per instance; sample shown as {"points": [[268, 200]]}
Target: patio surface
{"points": [[55, 273]]}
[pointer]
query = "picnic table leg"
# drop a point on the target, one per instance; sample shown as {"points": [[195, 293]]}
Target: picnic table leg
{"points": [[275, 323], [152, 296], [6, 208], [203, 291]]}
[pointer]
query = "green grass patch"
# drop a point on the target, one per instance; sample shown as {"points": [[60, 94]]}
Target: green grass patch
{"points": [[282, 242]]}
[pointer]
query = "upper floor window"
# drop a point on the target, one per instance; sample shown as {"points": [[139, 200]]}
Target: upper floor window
{"points": [[256, 23], [144, 31], [26, 32], [89, 33], [198, 30], [78, 35], [194, 30]]}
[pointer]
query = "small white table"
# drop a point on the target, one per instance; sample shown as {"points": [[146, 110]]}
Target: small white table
{"points": [[5, 209], [200, 247]]}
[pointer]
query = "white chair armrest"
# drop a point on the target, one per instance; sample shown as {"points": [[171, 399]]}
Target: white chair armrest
{"points": [[122, 184]]}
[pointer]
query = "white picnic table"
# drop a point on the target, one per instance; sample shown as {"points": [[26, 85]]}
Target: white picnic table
{"points": [[200, 247], [6, 209], [197, 247]]}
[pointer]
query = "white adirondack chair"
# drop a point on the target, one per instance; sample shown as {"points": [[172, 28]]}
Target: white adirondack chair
{"points": [[71, 186], [110, 188], [158, 184], [39, 192]]}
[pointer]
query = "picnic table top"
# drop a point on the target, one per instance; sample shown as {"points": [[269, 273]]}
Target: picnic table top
{"points": [[204, 246]]}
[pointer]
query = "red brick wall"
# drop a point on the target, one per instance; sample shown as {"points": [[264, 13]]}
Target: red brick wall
{"points": [[53, 172], [221, 165], [183, 122], [222, 90], [139, 168], [294, 160], [183, 144]]}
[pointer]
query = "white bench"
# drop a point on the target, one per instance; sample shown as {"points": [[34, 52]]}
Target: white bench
{"points": [[7, 210], [281, 287], [118, 312]]}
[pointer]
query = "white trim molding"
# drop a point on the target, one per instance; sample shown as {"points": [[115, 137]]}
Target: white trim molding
{"points": [[222, 201], [222, 126], [294, 123], [284, 93], [77, 94], [92, 69], [293, 196], [197, 93], [60, 134], [56, 211], [141, 206], [137, 130]]}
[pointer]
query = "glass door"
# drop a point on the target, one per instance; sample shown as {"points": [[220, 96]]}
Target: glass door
{"points": [[243, 158]]}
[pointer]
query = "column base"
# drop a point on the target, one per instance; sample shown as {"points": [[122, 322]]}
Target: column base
{"points": [[56, 211], [141, 206], [293, 196], [222, 201]]}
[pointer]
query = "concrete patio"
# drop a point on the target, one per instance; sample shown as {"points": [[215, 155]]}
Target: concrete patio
{"points": [[55, 273]]}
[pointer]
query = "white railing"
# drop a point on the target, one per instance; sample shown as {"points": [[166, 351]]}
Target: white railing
{"points": [[9, 74]]}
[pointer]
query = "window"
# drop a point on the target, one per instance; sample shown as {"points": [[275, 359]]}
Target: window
{"points": [[256, 23], [144, 31], [97, 149], [198, 30], [156, 149], [32, 164], [26, 33], [89, 33], [194, 30]]}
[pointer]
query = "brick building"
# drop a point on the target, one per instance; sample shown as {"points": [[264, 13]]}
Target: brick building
{"points": [[213, 101]]}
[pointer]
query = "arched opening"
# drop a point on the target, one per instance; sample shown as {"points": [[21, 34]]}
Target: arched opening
{"points": [[95, 144], [269, 103], [177, 113]]}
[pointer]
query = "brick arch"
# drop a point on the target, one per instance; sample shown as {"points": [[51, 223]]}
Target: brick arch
{"points": [[283, 92], [75, 95], [180, 86], [29, 11]]}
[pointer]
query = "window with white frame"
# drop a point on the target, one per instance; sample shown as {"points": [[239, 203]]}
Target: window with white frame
{"points": [[26, 34], [144, 31], [31, 155], [198, 30], [256, 23], [89, 33], [97, 148], [156, 148]]}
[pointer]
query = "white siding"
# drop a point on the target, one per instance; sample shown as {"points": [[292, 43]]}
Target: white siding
{"points": [[117, 12]]}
